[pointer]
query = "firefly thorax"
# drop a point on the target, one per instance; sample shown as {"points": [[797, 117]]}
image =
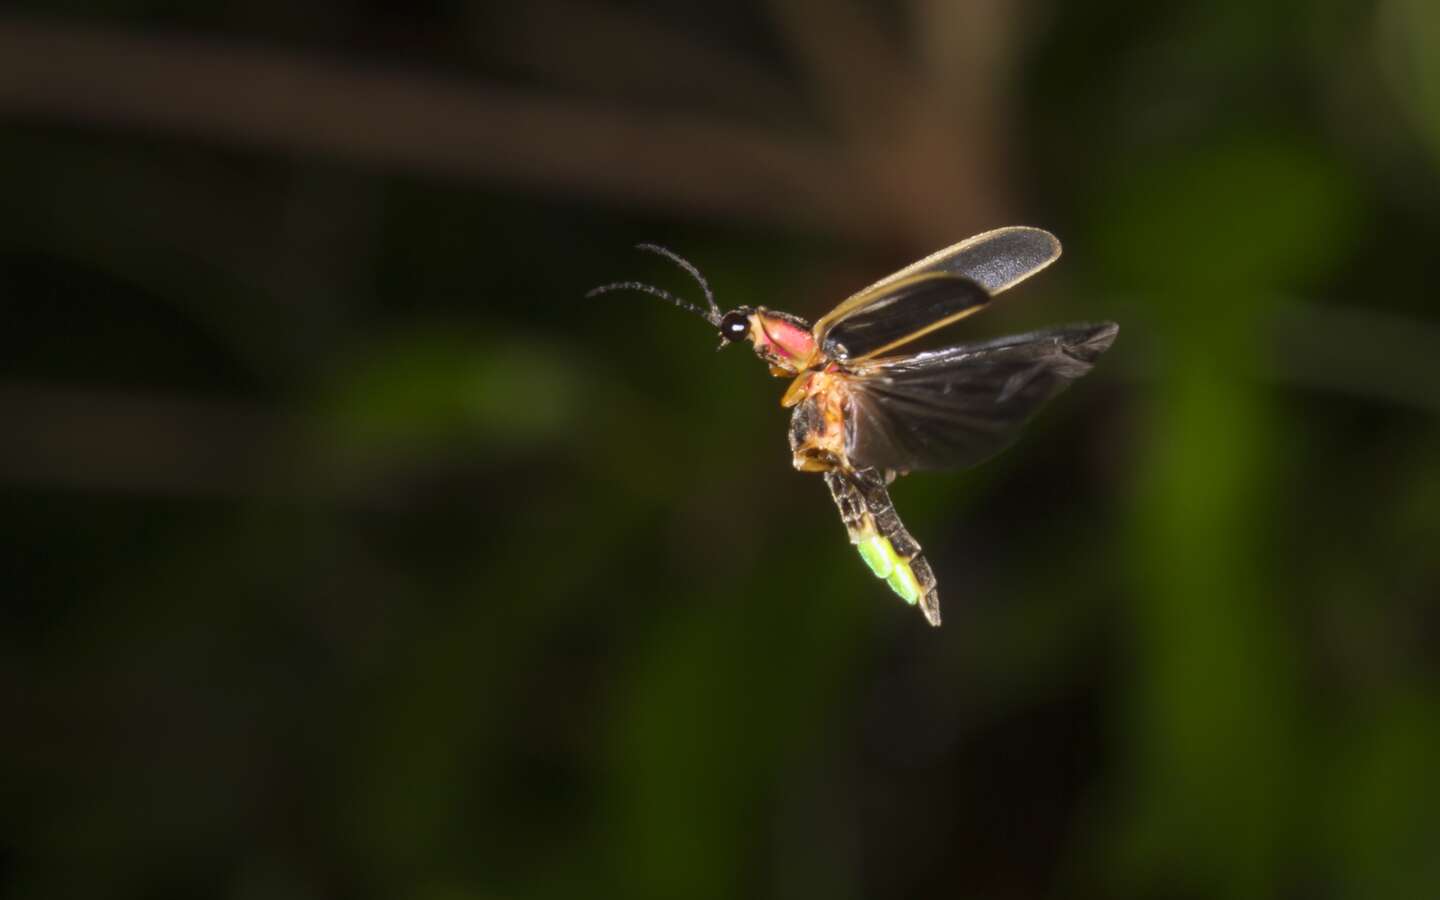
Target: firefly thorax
{"points": [[782, 340]]}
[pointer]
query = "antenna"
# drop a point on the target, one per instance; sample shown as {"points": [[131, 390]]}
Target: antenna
{"points": [[712, 316]]}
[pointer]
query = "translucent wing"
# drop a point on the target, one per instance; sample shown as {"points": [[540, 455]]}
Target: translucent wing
{"points": [[995, 260], [901, 312], [959, 406]]}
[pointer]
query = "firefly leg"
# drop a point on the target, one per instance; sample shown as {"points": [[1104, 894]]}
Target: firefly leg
{"points": [[876, 531]]}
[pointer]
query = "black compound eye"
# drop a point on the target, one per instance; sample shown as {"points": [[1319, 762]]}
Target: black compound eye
{"points": [[734, 326]]}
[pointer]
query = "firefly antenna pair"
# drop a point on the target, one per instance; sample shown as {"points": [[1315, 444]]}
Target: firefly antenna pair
{"points": [[714, 314]]}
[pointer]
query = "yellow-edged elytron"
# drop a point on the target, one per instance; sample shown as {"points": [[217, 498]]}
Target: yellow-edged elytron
{"points": [[863, 415]]}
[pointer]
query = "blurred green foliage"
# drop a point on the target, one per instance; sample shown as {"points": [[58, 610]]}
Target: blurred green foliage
{"points": [[349, 551]]}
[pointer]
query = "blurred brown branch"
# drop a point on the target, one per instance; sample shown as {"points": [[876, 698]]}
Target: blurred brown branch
{"points": [[915, 162], [129, 442], [920, 120], [266, 99], [923, 117], [126, 441], [625, 56], [441, 127], [172, 445]]}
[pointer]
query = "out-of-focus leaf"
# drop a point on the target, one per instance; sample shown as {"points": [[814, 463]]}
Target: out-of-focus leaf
{"points": [[1254, 212], [1409, 40], [1212, 232], [426, 389], [1382, 822]]}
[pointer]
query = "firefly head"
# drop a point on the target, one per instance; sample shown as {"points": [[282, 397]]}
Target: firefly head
{"points": [[735, 325]]}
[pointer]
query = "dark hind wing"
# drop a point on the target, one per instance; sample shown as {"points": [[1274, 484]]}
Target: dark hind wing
{"points": [[957, 407], [899, 313]]}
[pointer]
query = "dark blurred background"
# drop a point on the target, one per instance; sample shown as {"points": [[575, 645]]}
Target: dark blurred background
{"points": [[348, 551]]}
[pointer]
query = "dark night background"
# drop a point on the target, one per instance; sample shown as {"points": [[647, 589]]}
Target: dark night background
{"points": [[348, 551]]}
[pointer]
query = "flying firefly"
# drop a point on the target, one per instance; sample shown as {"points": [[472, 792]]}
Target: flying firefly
{"points": [[865, 413]]}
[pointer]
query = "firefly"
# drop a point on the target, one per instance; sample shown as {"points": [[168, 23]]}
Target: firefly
{"points": [[865, 412]]}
